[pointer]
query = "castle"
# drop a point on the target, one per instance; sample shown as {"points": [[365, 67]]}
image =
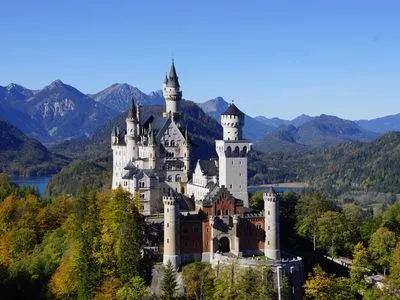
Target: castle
{"points": [[206, 213]]}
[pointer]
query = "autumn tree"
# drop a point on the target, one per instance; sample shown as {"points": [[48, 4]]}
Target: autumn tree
{"points": [[323, 286], [332, 232]]}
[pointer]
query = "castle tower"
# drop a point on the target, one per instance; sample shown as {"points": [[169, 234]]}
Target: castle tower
{"points": [[232, 152], [171, 92], [131, 133], [271, 213], [171, 231]]}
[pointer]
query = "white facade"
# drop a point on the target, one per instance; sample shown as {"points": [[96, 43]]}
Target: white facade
{"points": [[204, 177], [271, 213], [232, 153], [151, 157]]}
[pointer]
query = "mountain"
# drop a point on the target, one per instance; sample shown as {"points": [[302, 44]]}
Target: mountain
{"points": [[253, 129], [300, 120], [22, 155], [350, 166], [381, 125], [321, 131], [54, 113], [119, 95], [202, 129], [274, 122]]}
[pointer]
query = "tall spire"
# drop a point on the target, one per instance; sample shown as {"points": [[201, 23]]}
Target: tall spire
{"points": [[166, 78], [173, 77], [132, 110]]}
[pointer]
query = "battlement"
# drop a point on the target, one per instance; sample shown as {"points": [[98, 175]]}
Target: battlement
{"points": [[169, 200]]}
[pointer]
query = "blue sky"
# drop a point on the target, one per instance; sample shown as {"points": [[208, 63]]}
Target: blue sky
{"points": [[274, 58]]}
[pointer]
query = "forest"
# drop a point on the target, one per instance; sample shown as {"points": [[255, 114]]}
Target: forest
{"points": [[93, 246]]}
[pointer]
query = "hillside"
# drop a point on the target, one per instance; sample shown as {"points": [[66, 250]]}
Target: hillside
{"points": [[321, 131], [202, 129], [347, 166], [382, 124], [20, 155], [53, 114]]}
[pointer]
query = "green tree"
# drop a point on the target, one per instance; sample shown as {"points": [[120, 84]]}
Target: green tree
{"points": [[256, 200], [225, 284], [381, 246], [332, 232], [135, 289], [198, 280], [359, 268], [88, 245], [308, 209], [255, 283], [169, 284]]}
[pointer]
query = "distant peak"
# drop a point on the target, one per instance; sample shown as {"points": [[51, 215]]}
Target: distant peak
{"points": [[55, 83]]}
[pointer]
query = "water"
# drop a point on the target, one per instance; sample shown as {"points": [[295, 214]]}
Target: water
{"points": [[252, 189], [39, 182]]}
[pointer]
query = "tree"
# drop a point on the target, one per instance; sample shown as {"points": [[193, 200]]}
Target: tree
{"points": [[168, 284], [256, 200], [198, 280], [332, 232], [87, 232], [255, 283], [381, 246], [308, 209], [359, 268], [392, 284], [135, 289], [225, 282], [323, 286]]}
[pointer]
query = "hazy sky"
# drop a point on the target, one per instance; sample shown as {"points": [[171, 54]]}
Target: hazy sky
{"points": [[274, 58]]}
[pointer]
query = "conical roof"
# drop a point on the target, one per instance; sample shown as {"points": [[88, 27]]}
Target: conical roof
{"points": [[173, 77], [132, 110], [232, 111]]}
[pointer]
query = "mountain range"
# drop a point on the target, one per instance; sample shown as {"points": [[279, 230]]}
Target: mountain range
{"points": [[60, 112], [21, 155]]}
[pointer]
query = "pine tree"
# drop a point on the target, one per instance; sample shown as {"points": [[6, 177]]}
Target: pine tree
{"points": [[169, 283]]}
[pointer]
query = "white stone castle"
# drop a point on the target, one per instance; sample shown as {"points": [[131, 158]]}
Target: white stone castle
{"points": [[151, 158]]}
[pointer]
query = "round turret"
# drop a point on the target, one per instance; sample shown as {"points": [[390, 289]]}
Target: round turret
{"points": [[271, 213], [232, 121], [171, 231], [171, 91]]}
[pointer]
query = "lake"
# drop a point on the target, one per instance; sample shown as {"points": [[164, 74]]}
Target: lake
{"points": [[279, 189], [39, 182]]}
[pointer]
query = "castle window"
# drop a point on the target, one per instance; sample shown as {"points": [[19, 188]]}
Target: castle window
{"points": [[230, 186], [167, 241], [167, 210], [269, 228], [167, 225], [226, 212], [268, 242], [172, 143], [178, 178], [218, 212], [195, 229], [169, 178], [166, 143], [269, 213]]}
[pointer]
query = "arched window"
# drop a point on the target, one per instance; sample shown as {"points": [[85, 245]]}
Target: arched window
{"points": [[169, 178], [166, 143], [218, 212], [236, 152], [178, 178], [226, 212], [228, 151], [172, 143], [244, 151]]}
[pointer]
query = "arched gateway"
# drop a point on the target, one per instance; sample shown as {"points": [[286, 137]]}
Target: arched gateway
{"points": [[224, 244]]}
